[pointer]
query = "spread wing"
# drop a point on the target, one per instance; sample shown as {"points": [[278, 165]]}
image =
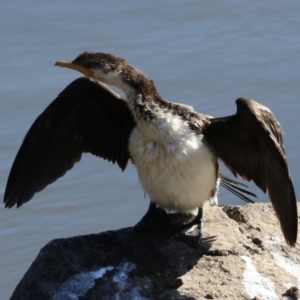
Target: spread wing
{"points": [[250, 144], [85, 117]]}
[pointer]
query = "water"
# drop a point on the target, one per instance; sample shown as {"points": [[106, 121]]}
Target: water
{"points": [[205, 54]]}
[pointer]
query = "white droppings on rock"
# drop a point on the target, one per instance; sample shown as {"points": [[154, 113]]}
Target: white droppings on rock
{"points": [[78, 285], [127, 287], [255, 284], [274, 240], [288, 265], [288, 285], [121, 277]]}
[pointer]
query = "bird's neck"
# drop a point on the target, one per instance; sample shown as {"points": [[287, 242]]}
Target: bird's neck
{"points": [[141, 95]]}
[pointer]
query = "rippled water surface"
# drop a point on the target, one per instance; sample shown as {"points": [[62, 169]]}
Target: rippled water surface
{"points": [[205, 54]]}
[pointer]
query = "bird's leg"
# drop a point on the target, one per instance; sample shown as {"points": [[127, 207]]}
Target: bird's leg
{"points": [[176, 225], [193, 235]]}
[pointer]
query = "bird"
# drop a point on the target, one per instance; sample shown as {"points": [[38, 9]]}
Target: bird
{"points": [[175, 150]]}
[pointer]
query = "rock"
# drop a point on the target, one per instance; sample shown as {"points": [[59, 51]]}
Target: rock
{"points": [[293, 293], [242, 256]]}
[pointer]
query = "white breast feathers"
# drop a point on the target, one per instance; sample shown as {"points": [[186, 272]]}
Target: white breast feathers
{"points": [[175, 168]]}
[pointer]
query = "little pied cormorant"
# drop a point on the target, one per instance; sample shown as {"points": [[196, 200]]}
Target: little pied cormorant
{"points": [[173, 148]]}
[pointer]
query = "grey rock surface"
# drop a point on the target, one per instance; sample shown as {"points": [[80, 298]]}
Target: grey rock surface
{"points": [[242, 256]]}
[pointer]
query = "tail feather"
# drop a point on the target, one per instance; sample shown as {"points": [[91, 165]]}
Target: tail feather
{"points": [[237, 188]]}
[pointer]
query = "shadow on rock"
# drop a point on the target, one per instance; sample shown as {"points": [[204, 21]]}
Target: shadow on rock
{"points": [[121, 264]]}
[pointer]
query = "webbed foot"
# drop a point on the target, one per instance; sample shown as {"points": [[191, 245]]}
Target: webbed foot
{"points": [[165, 226]]}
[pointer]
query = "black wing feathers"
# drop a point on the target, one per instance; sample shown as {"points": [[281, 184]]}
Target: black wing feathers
{"points": [[85, 117], [250, 144]]}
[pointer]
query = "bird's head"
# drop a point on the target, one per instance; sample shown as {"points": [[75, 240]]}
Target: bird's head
{"points": [[112, 70], [104, 67]]}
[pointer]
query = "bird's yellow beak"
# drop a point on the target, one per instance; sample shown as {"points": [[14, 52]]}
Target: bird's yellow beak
{"points": [[70, 65]]}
